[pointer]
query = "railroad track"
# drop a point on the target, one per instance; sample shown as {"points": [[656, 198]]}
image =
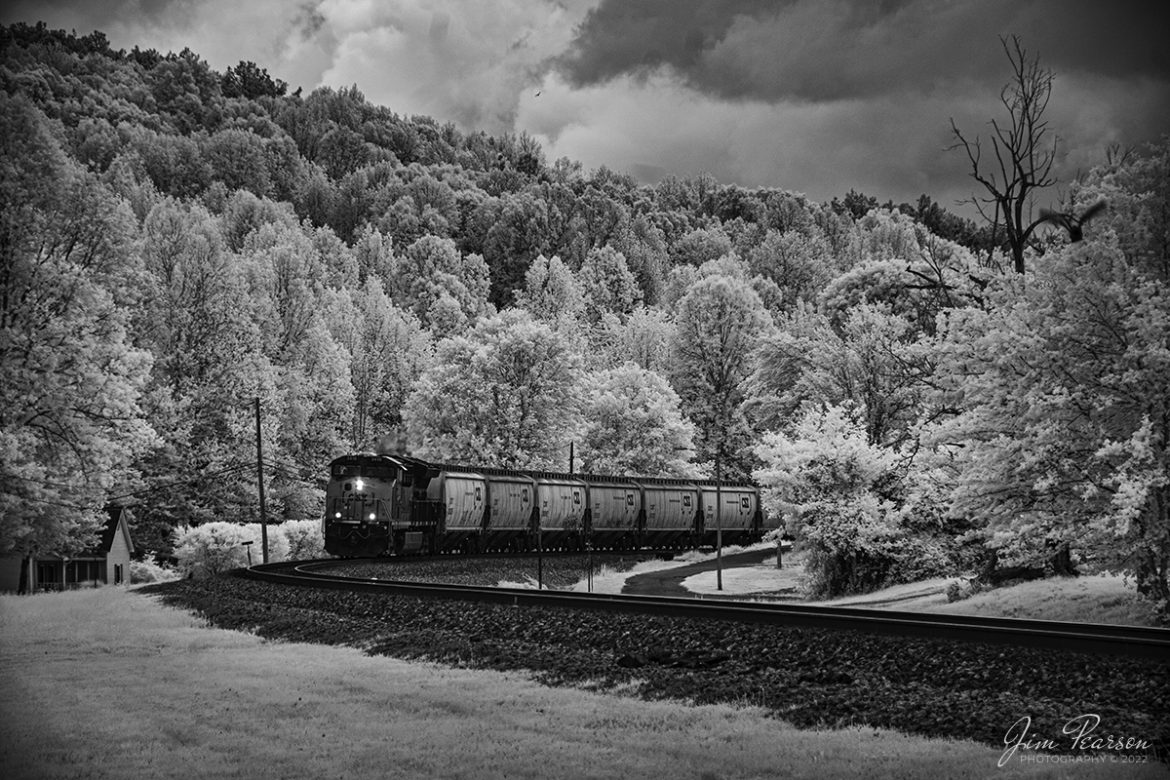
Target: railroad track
{"points": [[1134, 641]]}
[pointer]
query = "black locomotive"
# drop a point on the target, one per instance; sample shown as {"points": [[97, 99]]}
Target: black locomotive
{"points": [[394, 504]]}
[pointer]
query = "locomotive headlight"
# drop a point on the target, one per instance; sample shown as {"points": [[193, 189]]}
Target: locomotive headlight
{"points": [[337, 515], [373, 516], [359, 485]]}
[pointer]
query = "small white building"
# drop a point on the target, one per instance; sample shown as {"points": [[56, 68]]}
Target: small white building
{"points": [[106, 564]]}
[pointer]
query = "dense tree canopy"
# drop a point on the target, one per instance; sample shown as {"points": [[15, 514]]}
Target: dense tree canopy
{"points": [[634, 425], [1065, 389], [70, 414], [507, 394], [718, 325]]}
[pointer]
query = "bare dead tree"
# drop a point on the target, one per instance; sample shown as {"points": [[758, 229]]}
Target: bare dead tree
{"points": [[1022, 148]]}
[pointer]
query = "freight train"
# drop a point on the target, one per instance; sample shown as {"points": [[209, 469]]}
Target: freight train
{"points": [[394, 504]]}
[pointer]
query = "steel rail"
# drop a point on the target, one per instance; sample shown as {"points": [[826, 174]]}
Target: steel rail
{"points": [[1096, 638], [487, 555]]}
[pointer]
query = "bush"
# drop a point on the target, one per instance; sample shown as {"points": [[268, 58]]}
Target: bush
{"points": [[150, 570], [921, 558], [863, 521], [304, 539], [213, 548], [849, 549], [964, 589], [860, 547]]}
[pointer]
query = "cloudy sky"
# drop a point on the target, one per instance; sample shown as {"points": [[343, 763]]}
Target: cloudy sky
{"points": [[813, 96]]}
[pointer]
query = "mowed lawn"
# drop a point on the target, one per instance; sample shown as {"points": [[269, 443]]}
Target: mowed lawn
{"points": [[110, 684], [1092, 598]]}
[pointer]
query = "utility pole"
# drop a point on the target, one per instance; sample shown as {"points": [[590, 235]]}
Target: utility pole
{"points": [[539, 555], [260, 483], [586, 535], [718, 523]]}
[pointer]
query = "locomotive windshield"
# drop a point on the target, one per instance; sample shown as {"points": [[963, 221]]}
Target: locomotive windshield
{"points": [[354, 470]]}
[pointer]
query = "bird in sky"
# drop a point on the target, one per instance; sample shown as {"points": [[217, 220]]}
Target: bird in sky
{"points": [[1072, 223]]}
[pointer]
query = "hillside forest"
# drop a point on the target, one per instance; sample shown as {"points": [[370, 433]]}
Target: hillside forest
{"points": [[177, 242]]}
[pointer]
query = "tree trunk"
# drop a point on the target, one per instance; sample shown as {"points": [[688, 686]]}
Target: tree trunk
{"points": [[1152, 580], [1062, 561], [25, 575], [990, 561]]}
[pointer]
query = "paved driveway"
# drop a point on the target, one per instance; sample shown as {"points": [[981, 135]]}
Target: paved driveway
{"points": [[668, 582]]}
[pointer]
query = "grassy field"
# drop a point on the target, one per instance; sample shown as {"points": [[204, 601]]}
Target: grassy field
{"points": [[110, 684], [1101, 598]]}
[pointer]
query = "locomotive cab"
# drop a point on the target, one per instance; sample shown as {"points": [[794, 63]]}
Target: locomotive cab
{"points": [[360, 503]]}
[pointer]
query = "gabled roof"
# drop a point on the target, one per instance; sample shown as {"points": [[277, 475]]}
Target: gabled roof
{"points": [[116, 523]]}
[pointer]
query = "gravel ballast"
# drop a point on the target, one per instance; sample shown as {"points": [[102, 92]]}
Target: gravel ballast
{"points": [[555, 571], [808, 677]]}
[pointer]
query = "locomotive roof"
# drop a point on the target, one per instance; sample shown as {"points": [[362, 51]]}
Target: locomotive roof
{"points": [[413, 463]]}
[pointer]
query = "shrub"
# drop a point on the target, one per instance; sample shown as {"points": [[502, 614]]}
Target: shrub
{"points": [[149, 569], [210, 548], [843, 498], [964, 589], [213, 548], [859, 549], [304, 539]]}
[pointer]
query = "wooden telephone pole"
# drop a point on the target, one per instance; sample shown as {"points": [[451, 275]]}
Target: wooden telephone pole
{"points": [[260, 484], [718, 523]]}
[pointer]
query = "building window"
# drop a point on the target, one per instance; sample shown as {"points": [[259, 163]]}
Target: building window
{"points": [[117, 574]]}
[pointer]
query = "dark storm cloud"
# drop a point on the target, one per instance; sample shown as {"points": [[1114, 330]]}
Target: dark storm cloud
{"points": [[617, 38], [810, 50], [96, 14], [308, 20]]}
